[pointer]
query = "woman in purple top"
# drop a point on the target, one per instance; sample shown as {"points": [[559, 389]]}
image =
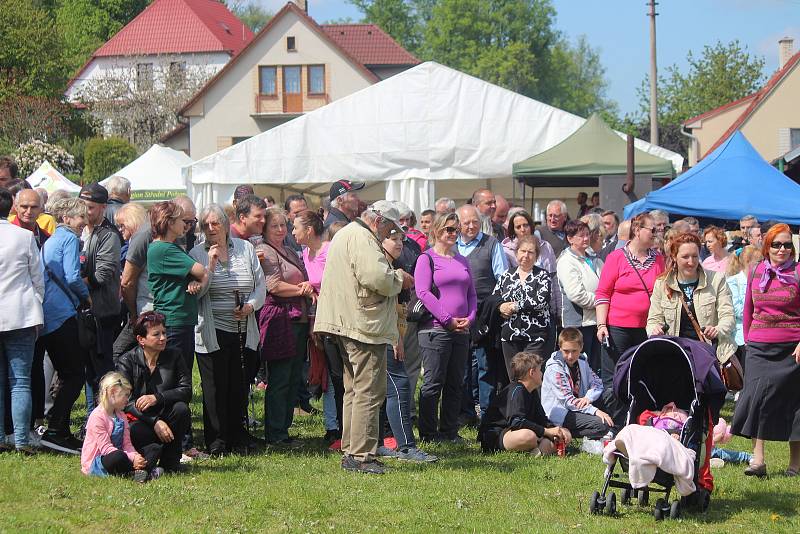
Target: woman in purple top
{"points": [[769, 405], [444, 342]]}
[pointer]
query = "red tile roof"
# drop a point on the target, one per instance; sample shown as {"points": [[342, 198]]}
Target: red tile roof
{"points": [[757, 99], [179, 26], [717, 111], [369, 44]]}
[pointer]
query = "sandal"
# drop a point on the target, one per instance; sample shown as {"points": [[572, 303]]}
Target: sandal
{"points": [[791, 472], [754, 470]]}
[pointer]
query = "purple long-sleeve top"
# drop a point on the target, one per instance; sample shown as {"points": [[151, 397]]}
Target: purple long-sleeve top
{"points": [[453, 278]]}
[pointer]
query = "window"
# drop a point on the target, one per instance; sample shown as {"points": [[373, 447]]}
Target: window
{"points": [[267, 81], [177, 73], [290, 44], [291, 80], [144, 76], [794, 138], [316, 79]]}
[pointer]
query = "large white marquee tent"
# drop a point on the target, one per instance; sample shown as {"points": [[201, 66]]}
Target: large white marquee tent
{"points": [[426, 124], [156, 174]]}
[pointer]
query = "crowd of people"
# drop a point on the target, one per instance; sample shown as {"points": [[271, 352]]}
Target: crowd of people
{"points": [[513, 328]]}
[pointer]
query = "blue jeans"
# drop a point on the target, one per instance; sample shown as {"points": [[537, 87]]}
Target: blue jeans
{"points": [[16, 359], [479, 383], [735, 457], [398, 402], [329, 407]]}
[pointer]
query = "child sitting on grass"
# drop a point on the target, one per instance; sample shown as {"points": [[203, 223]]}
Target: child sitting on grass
{"points": [[107, 448], [515, 420], [571, 390]]}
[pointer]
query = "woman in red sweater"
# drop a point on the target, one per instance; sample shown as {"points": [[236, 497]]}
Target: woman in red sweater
{"points": [[622, 301], [769, 405]]}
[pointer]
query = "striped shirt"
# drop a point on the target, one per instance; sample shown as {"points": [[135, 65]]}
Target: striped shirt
{"points": [[234, 275]]}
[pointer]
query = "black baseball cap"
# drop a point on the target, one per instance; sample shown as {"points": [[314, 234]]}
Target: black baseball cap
{"points": [[343, 186], [94, 192]]}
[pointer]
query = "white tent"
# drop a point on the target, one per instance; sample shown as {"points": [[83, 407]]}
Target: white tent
{"points": [[48, 177], [425, 124], [156, 174]]}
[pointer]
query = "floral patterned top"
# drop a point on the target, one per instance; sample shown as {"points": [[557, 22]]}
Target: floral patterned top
{"points": [[532, 296]]}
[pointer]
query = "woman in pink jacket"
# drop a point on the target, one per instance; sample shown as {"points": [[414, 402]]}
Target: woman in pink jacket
{"points": [[622, 302], [107, 448]]}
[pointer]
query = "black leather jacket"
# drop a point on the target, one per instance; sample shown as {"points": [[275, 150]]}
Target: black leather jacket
{"points": [[170, 382]]}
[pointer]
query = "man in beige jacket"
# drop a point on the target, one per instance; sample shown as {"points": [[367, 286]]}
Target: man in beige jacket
{"points": [[357, 306]]}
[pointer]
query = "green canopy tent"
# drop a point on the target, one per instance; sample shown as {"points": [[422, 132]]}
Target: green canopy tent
{"points": [[594, 150]]}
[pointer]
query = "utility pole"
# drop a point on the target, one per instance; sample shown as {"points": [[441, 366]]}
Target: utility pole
{"points": [[653, 76]]}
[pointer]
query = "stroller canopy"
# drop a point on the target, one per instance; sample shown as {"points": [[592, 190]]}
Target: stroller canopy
{"points": [[670, 369]]}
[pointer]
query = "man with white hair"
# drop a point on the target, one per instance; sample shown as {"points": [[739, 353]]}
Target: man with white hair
{"points": [[28, 205], [344, 202], [119, 194], [553, 229], [444, 206], [357, 307]]}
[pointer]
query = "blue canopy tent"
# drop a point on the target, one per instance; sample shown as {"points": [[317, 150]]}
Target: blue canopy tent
{"points": [[727, 184]]}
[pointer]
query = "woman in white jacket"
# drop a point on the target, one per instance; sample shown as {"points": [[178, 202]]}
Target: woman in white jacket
{"points": [[578, 275]]}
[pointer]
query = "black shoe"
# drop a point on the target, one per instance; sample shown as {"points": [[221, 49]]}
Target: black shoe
{"points": [[372, 467], [469, 420], [332, 435], [61, 442], [250, 442], [141, 476]]}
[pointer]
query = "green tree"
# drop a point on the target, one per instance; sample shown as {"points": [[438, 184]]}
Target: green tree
{"points": [[86, 24], [30, 59], [395, 17], [102, 157], [253, 14]]}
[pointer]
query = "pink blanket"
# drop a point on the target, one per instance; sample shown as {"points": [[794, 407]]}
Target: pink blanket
{"points": [[648, 448]]}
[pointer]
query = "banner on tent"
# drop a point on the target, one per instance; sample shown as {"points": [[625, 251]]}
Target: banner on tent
{"points": [[156, 195]]}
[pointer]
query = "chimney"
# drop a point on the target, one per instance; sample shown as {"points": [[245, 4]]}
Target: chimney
{"points": [[785, 51], [302, 4]]}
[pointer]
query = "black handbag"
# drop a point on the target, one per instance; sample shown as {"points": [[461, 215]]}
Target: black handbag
{"points": [[417, 312], [87, 323]]}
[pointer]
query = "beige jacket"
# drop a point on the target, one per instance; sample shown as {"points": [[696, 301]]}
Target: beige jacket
{"points": [[713, 306], [358, 297]]}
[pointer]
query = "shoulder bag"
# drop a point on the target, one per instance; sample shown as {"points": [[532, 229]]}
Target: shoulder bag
{"points": [[417, 312]]}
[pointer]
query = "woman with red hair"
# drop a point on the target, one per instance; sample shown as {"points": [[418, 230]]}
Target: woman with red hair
{"points": [[769, 405]]}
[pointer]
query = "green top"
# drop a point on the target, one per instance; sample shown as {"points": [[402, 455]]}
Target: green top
{"points": [[168, 267], [593, 150]]}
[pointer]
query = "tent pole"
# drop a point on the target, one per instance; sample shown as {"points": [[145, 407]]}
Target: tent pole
{"points": [[533, 194], [513, 189]]}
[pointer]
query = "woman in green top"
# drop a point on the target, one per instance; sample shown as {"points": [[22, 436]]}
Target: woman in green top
{"points": [[174, 278]]}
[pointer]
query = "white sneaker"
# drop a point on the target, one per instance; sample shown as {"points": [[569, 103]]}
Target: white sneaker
{"points": [[36, 436], [717, 463], [592, 446]]}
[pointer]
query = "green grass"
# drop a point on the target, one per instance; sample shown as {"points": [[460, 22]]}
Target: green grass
{"points": [[305, 490]]}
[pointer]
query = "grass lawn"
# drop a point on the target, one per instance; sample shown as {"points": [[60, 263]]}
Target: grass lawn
{"points": [[305, 490]]}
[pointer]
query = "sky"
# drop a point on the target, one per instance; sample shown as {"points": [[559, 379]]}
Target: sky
{"points": [[620, 30]]}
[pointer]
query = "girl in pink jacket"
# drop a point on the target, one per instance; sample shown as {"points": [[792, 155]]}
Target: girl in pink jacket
{"points": [[107, 448]]}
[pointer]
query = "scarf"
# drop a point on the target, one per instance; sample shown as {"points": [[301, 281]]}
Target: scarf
{"points": [[783, 273]]}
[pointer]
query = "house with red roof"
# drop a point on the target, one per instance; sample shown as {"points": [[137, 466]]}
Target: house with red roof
{"points": [[292, 66], [769, 118], [169, 37]]}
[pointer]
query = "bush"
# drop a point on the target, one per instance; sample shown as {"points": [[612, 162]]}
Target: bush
{"points": [[30, 156], [103, 157]]}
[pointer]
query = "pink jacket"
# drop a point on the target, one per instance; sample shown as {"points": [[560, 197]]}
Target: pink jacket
{"points": [[772, 316], [98, 438], [621, 288], [648, 448]]}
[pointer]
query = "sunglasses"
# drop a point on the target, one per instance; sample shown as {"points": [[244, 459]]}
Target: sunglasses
{"points": [[778, 245], [450, 229]]}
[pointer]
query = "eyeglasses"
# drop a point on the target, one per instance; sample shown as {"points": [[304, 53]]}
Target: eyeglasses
{"points": [[450, 229], [776, 245], [648, 228], [190, 221]]}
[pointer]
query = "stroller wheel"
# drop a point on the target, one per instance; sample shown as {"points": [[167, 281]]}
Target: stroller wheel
{"points": [[643, 496], [626, 495], [675, 510], [658, 511], [611, 504], [594, 507]]}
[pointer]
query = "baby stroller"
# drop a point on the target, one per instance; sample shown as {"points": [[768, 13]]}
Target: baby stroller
{"points": [[667, 369]]}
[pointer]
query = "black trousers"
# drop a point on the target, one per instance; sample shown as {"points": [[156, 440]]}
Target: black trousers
{"points": [[620, 340], [125, 341], [444, 360], [178, 419], [222, 381], [591, 347], [38, 386], [69, 361], [511, 348], [583, 425], [118, 463], [336, 372]]}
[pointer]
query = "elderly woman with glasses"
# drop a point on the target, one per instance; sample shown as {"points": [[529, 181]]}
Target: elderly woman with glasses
{"points": [[769, 405], [444, 340], [226, 329], [623, 301]]}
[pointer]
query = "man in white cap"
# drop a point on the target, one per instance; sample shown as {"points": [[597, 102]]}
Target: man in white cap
{"points": [[357, 308]]}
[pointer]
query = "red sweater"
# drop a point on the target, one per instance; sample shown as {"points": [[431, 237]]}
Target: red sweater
{"points": [[621, 288]]}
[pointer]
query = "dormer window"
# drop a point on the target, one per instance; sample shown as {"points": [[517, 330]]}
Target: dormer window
{"points": [[290, 44]]}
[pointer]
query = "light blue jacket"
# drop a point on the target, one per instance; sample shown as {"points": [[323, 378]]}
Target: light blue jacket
{"points": [[61, 254], [738, 286], [557, 395]]}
